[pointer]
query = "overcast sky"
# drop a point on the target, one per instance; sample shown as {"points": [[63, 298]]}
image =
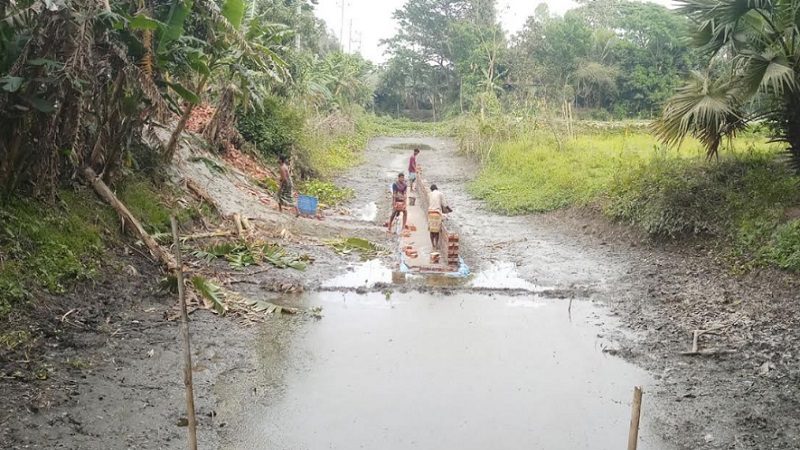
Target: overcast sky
{"points": [[372, 19]]}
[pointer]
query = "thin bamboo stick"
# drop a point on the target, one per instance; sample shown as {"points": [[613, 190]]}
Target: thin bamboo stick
{"points": [[187, 353], [636, 412]]}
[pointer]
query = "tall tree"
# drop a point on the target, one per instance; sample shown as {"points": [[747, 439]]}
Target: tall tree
{"points": [[461, 42], [618, 55]]}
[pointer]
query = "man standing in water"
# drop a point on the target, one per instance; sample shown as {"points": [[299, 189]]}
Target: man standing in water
{"points": [[286, 190], [436, 210], [412, 169], [399, 192]]}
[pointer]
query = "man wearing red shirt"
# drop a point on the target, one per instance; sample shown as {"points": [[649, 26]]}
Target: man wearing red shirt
{"points": [[412, 170]]}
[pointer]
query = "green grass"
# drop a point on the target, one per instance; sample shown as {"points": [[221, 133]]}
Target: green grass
{"points": [[49, 247], [326, 192], [532, 175], [741, 199], [324, 151]]}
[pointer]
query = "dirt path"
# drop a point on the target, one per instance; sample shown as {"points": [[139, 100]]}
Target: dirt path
{"points": [[385, 358]]}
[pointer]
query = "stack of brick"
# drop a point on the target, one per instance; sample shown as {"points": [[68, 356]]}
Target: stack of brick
{"points": [[452, 251]]}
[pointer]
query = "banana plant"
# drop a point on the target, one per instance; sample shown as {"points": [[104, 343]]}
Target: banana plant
{"points": [[238, 50]]}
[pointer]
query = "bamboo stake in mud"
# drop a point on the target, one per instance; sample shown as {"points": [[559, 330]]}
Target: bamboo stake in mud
{"points": [[237, 220], [187, 353], [636, 412]]}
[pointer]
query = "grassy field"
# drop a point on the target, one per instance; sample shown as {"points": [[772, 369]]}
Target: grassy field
{"points": [[332, 144], [745, 198]]}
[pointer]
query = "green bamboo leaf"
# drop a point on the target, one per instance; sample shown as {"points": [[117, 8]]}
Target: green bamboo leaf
{"points": [[211, 294], [185, 94], [143, 22], [42, 105], [178, 13], [49, 63], [200, 66], [11, 84], [233, 10]]}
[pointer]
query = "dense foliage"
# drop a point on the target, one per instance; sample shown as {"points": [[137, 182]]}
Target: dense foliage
{"points": [[609, 57], [273, 129], [752, 51], [86, 83], [111, 86]]}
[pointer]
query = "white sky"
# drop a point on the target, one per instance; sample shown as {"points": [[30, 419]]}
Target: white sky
{"points": [[372, 19]]}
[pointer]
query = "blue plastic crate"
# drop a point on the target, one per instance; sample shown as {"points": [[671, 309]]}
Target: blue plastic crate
{"points": [[307, 205]]}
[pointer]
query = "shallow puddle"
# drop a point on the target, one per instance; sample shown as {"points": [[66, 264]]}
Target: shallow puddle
{"points": [[366, 274], [366, 213], [502, 275], [469, 371]]}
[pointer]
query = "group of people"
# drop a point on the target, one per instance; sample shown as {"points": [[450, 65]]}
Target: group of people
{"points": [[400, 190], [437, 206]]}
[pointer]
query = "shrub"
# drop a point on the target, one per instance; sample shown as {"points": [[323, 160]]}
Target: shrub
{"points": [[785, 248], [274, 129], [740, 199], [670, 197]]}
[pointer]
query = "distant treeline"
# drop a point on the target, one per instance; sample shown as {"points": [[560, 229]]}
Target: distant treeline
{"points": [[607, 58]]}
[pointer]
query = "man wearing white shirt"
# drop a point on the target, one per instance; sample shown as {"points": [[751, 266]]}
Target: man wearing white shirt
{"points": [[437, 207]]}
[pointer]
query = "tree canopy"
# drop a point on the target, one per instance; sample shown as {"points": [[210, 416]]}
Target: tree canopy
{"points": [[620, 57]]}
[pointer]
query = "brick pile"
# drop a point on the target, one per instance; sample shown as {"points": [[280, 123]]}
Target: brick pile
{"points": [[452, 250]]}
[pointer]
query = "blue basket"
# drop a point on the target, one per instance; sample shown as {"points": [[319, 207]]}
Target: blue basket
{"points": [[307, 205]]}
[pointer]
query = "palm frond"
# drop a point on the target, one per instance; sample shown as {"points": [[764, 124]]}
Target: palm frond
{"points": [[769, 73], [706, 108], [211, 294]]}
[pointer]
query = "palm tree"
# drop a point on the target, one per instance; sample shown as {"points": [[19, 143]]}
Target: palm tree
{"points": [[753, 51]]}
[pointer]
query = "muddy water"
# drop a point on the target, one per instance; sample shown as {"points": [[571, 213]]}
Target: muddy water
{"points": [[434, 371], [457, 372]]}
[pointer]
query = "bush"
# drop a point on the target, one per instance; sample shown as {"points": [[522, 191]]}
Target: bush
{"points": [[785, 248], [737, 196], [328, 193], [740, 199], [274, 130]]}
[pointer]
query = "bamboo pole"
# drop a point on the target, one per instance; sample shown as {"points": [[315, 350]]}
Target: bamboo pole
{"points": [[128, 219], [187, 353], [636, 412]]}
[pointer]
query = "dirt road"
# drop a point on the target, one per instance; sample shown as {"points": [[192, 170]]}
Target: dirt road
{"points": [[495, 361]]}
